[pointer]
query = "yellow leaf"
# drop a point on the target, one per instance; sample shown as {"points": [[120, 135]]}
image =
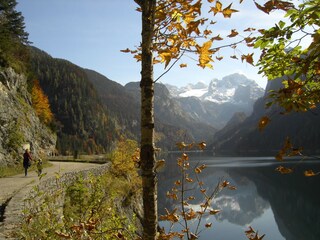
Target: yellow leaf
{"points": [[190, 215], [165, 57], [183, 65], [228, 11], [138, 57], [217, 8], [205, 54]]}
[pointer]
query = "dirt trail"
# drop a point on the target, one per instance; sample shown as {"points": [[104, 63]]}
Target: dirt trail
{"points": [[14, 189]]}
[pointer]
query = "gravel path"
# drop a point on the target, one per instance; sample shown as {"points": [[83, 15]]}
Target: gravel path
{"points": [[14, 189]]}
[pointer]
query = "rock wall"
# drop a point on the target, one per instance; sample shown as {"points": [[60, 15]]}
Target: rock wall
{"points": [[19, 125]]}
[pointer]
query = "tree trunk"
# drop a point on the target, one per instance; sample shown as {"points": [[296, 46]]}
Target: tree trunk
{"points": [[147, 155]]}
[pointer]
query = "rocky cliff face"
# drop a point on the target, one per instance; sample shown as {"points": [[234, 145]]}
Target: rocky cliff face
{"points": [[19, 126]]}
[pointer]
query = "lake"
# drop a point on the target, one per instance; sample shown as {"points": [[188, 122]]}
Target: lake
{"points": [[281, 206]]}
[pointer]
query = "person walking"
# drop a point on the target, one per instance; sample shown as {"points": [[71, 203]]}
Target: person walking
{"points": [[26, 161]]}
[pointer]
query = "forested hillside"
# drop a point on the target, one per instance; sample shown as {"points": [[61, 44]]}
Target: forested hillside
{"points": [[82, 122]]}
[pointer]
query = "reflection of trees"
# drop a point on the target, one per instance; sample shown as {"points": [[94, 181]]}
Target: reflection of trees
{"points": [[240, 207], [294, 199]]}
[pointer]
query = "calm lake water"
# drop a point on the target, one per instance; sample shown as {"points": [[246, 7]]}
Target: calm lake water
{"points": [[281, 206]]}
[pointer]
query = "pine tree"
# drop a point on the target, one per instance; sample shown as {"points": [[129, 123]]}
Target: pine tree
{"points": [[13, 37]]}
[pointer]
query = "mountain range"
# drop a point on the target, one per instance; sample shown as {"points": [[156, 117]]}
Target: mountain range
{"points": [[93, 112], [216, 103], [241, 135]]}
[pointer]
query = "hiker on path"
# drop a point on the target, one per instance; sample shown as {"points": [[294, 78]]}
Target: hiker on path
{"points": [[26, 161]]}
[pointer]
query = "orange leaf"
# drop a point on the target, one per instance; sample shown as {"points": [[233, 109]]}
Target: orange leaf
{"points": [[183, 65], [284, 170], [127, 50], [202, 145], [310, 173], [263, 122], [248, 58]]}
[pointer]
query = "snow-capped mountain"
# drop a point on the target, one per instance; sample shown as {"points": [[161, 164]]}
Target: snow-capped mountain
{"points": [[235, 88], [216, 103]]}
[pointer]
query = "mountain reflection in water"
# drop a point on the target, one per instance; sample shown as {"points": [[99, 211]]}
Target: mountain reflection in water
{"points": [[280, 206]]}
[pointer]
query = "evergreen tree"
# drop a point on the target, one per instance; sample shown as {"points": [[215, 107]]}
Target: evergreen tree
{"points": [[13, 37]]}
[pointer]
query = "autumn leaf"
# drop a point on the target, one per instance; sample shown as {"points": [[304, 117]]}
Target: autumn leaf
{"points": [[284, 170], [248, 58], [249, 29], [225, 183], [178, 182], [228, 11], [166, 57], [127, 50], [181, 145], [189, 179], [214, 211], [193, 236], [310, 173], [205, 54], [170, 216], [233, 33], [208, 225], [183, 65], [219, 58], [217, 8], [217, 38], [263, 122], [202, 145], [190, 215]]}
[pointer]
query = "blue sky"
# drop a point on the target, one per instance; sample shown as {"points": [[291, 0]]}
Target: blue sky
{"points": [[91, 33]]}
